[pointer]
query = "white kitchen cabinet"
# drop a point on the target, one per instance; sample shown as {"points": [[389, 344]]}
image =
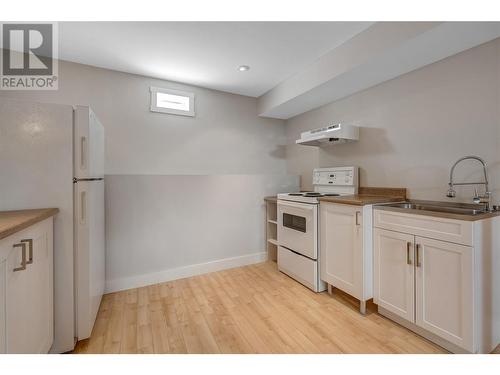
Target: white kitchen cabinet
{"points": [[443, 290], [394, 272], [26, 290], [346, 249]]}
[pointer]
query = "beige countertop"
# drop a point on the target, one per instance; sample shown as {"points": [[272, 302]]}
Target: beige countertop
{"points": [[14, 221], [361, 199], [445, 215], [369, 195]]}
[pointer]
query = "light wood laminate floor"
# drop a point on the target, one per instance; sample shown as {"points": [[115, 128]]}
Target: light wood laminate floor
{"points": [[252, 309]]}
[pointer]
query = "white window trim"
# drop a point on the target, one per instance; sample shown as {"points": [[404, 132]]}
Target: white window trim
{"points": [[155, 108]]}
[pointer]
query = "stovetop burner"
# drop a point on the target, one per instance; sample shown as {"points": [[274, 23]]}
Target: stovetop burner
{"points": [[313, 194]]}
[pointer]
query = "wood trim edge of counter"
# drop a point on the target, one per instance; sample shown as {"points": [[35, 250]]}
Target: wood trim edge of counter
{"points": [[12, 222], [272, 198], [369, 195]]}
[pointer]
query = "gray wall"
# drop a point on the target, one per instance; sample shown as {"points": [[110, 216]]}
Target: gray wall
{"points": [[415, 127], [180, 191]]}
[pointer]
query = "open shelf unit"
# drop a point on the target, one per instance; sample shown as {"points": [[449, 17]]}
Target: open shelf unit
{"points": [[271, 228]]}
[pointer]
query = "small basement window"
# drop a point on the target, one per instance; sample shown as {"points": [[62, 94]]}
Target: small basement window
{"points": [[172, 101]]}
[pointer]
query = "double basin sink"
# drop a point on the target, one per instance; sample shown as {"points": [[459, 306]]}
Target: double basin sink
{"points": [[442, 207]]}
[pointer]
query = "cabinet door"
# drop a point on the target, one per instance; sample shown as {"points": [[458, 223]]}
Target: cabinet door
{"points": [[444, 281], [18, 309], [394, 272], [29, 293], [341, 245], [41, 290]]}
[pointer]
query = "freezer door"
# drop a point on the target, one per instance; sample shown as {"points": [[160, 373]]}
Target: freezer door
{"points": [[90, 255], [88, 144]]}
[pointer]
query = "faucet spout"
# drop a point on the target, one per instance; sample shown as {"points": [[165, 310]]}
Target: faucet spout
{"points": [[487, 196]]}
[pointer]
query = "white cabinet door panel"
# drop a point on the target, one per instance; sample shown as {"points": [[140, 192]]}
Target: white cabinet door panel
{"points": [[394, 272], [41, 292], [341, 247], [444, 290], [29, 292], [18, 305]]}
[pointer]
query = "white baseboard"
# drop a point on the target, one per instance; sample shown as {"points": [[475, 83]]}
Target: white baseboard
{"points": [[182, 272]]}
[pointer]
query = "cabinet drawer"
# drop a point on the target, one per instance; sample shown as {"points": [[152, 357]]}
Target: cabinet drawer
{"points": [[450, 230], [302, 269]]}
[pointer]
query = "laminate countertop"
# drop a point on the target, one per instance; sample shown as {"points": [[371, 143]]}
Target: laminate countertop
{"points": [[361, 199], [369, 195], [14, 221]]}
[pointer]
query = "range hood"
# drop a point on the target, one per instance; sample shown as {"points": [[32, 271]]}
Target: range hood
{"points": [[329, 135]]}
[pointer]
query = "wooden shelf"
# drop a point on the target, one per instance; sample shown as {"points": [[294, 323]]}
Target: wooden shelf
{"points": [[273, 241], [271, 228]]}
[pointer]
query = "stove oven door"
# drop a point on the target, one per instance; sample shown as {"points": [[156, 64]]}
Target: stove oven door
{"points": [[298, 227]]}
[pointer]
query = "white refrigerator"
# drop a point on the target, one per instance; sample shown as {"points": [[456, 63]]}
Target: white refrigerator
{"points": [[53, 156]]}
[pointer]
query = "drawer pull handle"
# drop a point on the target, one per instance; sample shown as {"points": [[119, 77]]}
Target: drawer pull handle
{"points": [[408, 249], [357, 217], [23, 261], [419, 264], [30, 250]]}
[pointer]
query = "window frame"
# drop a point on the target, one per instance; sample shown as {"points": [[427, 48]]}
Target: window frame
{"points": [[153, 100]]}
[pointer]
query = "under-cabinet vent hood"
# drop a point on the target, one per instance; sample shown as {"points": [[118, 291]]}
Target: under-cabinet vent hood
{"points": [[329, 135]]}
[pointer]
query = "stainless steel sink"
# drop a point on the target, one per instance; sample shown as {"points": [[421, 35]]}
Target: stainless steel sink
{"points": [[458, 209]]}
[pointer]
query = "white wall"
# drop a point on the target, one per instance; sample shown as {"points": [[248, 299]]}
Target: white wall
{"points": [[175, 183], [415, 127], [165, 227], [226, 136]]}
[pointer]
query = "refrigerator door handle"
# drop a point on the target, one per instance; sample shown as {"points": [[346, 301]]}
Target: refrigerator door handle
{"points": [[83, 152], [83, 207]]}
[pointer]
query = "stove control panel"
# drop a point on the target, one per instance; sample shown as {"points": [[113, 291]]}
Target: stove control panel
{"points": [[336, 176]]}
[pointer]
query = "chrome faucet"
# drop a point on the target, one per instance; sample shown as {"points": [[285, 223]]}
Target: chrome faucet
{"points": [[486, 198]]}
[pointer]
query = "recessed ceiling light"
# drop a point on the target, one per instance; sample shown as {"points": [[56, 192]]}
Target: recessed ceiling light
{"points": [[243, 68]]}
